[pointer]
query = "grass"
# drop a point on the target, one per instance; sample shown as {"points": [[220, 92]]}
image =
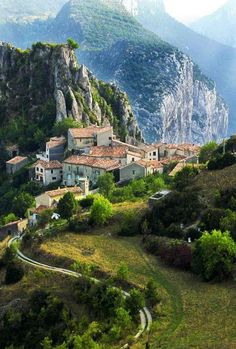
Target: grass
{"points": [[192, 314]]}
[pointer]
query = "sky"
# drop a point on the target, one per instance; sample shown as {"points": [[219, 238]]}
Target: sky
{"points": [[187, 11]]}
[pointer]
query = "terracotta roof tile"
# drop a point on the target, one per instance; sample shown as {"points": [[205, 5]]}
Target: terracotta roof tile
{"points": [[88, 132], [55, 142], [63, 191], [16, 160], [104, 151], [94, 162], [49, 165]]}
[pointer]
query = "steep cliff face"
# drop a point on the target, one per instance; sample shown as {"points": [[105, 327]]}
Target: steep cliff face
{"points": [[172, 100], [194, 111], [46, 84]]}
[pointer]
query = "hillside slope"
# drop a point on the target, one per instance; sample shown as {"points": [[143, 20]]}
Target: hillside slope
{"points": [[46, 84]]}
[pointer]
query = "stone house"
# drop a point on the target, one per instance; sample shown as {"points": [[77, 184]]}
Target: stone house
{"points": [[76, 167], [15, 164], [82, 138], [47, 172], [51, 198], [139, 169], [13, 228]]}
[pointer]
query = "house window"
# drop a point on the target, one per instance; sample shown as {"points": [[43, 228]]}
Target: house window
{"points": [[134, 172], [110, 138], [154, 153], [41, 170], [52, 171], [54, 178], [37, 169], [133, 159], [61, 171], [69, 168]]}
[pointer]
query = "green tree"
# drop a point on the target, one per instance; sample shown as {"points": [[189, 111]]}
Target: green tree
{"points": [[101, 211], [21, 203], [106, 184], [214, 255], [151, 293], [183, 178], [11, 217], [207, 151], [228, 223], [72, 44], [67, 206], [14, 273], [62, 127]]}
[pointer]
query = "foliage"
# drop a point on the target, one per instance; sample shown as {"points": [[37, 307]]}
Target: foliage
{"points": [[67, 206], [122, 272], [207, 151], [72, 44], [214, 255], [45, 217], [135, 302], [14, 273], [221, 161], [62, 127], [101, 211], [106, 184], [21, 203], [87, 202], [11, 217], [130, 224], [228, 223], [183, 178], [211, 218], [151, 293]]}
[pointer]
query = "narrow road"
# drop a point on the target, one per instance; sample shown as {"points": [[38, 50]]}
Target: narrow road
{"points": [[145, 315]]}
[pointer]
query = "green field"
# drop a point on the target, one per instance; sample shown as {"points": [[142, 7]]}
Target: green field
{"points": [[192, 314]]}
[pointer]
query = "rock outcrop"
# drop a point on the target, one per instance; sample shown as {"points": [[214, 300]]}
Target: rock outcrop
{"points": [[47, 82]]}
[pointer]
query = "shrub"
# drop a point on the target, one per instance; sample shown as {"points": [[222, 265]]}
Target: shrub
{"points": [[211, 218], [151, 293], [177, 254], [72, 44], [67, 206], [135, 302], [174, 231], [184, 177], [122, 272], [14, 273], [221, 161], [106, 184], [130, 225], [214, 255], [87, 202], [101, 211]]}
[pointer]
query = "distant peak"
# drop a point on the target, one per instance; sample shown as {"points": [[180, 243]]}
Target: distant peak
{"points": [[135, 7]]}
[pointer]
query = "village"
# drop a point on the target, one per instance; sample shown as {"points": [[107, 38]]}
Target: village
{"points": [[75, 164]]}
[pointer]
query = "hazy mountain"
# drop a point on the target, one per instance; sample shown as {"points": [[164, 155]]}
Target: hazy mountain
{"points": [[220, 25], [172, 99], [216, 60], [25, 8]]}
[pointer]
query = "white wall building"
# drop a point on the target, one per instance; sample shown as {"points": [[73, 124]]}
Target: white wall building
{"points": [[47, 172]]}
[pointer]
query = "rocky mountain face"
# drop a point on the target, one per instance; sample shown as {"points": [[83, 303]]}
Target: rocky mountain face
{"points": [[46, 84], [161, 82], [215, 60], [220, 25]]}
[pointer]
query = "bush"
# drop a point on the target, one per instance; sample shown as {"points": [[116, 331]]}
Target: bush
{"points": [[14, 273], [130, 225], [67, 206], [177, 254], [214, 255], [221, 161], [211, 218], [87, 202], [184, 177], [174, 231], [101, 211], [151, 293]]}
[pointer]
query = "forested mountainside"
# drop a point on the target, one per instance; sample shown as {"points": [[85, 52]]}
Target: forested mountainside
{"points": [[172, 99], [216, 60], [46, 84], [219, 25]]}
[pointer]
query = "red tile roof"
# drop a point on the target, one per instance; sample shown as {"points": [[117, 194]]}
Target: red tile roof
{"points": [[150, 163], [48, 165], [63, 191], [88, 132], [55, 142], [106, 151], [16, 160], [94, 162]]}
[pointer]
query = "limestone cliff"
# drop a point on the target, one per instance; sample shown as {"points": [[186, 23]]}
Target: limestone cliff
{"points": [[46, 84]]}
